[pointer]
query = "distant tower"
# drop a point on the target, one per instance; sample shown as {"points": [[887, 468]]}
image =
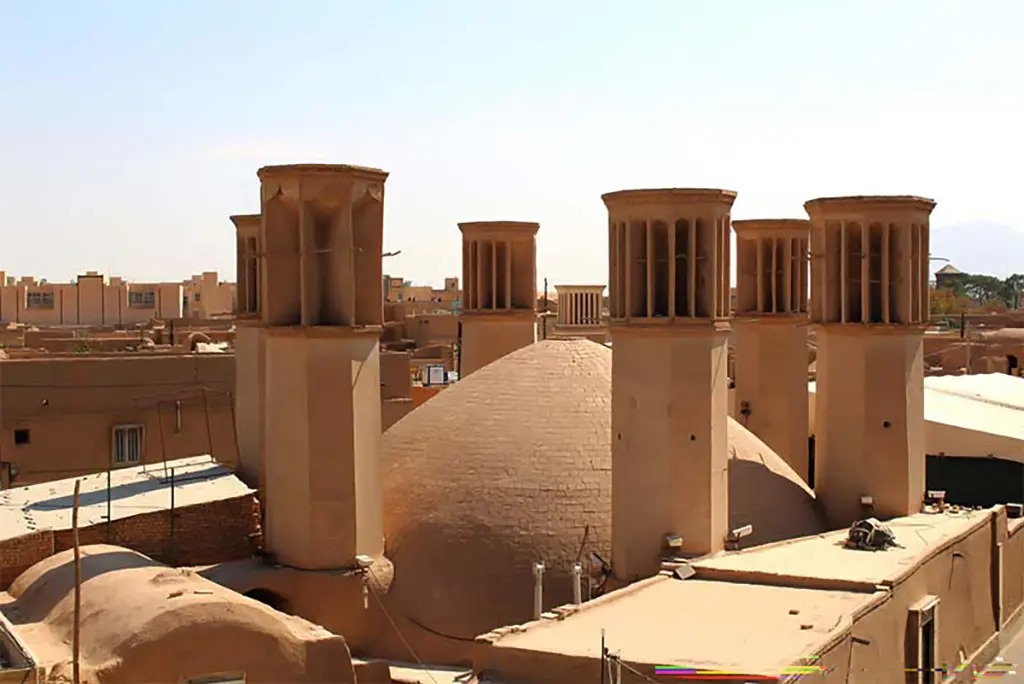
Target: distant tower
{"points": [[580, 309], [499, 297], [249, 353], [669, 318], [869, 297], [771, 334], [321, 303]]}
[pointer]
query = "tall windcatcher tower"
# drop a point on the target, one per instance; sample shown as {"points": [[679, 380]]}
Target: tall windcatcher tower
{"points": [[669, 320], [771, 334], [869, 298], [322, 309], [249, 352], [499, 290]]}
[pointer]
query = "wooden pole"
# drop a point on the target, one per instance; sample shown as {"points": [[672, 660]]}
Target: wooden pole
{"points": [[209, 429], [234, 427], [160, 427], [76, 673], [172, 518]]}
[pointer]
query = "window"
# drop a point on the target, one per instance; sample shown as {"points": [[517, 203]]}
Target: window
{"points": [[127, 444], [22, 437], [142, 298], [196, 297], [39, 300]]}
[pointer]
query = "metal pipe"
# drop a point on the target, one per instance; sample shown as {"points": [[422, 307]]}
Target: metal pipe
{"points": [[538, 590], [577, 586]]}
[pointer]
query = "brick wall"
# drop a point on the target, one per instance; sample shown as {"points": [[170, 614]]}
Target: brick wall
{"points": [[203, 534], [19, 554]]}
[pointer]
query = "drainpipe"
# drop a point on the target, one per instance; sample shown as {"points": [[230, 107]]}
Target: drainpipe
{"points": [[538, 590]]}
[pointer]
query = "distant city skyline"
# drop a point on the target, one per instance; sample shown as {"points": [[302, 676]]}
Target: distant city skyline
{"points": [[131, 131]]}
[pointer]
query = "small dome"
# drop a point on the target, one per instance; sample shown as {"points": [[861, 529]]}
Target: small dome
{"points": [[513, 465]]}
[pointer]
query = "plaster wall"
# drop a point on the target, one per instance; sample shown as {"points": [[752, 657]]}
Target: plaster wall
{"points": [[771, 382], [71, 406], [427, 329], [961, 575], [1012, 574], [488, 337], [669, 445], [323, 409], [869, 422], [250, 377]]}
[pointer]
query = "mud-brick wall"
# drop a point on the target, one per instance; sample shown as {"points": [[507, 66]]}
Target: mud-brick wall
{"points": [[202, 534]]}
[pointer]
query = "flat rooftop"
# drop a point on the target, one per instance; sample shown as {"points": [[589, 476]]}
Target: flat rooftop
{"points": [[823, 560], [740, 628], [133, 491]]}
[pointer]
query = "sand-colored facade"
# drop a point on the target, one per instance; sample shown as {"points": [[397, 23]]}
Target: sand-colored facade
{"points": [[770, 334], [499, 275], [66, 415], [579, 312], [94, 299]]}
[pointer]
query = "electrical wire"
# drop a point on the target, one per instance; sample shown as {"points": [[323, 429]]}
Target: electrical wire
{"points": [[394, 626]]}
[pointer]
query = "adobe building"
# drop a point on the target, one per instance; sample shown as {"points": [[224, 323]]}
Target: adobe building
{"points": [[580, 312], [63, 415], [770, 335], [869, 300], [669, 316], [93, 299], [321, 308], [499, 276], [250, 350]]}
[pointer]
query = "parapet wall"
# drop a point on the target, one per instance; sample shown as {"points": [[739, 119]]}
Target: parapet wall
{"points": [[202, 534]]}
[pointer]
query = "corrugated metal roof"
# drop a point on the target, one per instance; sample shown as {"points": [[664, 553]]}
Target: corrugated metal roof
{"points": [[133, 491]]}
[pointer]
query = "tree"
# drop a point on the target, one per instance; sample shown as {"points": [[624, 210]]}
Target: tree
{"points": [[944, 301]]}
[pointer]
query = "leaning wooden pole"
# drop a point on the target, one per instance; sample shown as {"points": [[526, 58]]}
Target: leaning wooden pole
{"points": [[76, 634]]}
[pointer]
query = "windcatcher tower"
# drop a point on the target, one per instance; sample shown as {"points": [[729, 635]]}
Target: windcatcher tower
{"points": [[499, 281], [249, 352], [669, 310], [869, 297], [771, 334], [322, 306]]}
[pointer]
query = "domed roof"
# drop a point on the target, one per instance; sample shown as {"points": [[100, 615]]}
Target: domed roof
{"points": [[512, 465], [138, 617]]}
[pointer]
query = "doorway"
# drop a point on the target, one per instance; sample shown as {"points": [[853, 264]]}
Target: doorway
{"points": [[1012, 364]]}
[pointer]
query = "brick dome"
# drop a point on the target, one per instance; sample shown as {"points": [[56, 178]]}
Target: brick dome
{"points": [[513, 465]]}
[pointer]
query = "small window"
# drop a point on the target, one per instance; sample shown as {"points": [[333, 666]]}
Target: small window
{"points": [[22, 437], [196, 297], [127, 444], [143, 299], [39, 300]]}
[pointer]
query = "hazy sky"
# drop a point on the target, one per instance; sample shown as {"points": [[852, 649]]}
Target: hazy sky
{"points": [[130, 130]]}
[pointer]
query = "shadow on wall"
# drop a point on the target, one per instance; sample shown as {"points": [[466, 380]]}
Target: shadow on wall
{"points": [[752, 488], [270, 598]]}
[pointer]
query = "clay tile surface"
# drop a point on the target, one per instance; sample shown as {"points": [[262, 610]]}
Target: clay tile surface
{"points": [[513, 465]]}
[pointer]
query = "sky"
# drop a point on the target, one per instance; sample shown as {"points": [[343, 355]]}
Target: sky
{"points": [[130, 131]]}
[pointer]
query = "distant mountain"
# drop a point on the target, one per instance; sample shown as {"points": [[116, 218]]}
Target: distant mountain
{"points": [[979, 247]]}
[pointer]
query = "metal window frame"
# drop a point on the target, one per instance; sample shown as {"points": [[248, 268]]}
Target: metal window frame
{"points": [[113, 444]]}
